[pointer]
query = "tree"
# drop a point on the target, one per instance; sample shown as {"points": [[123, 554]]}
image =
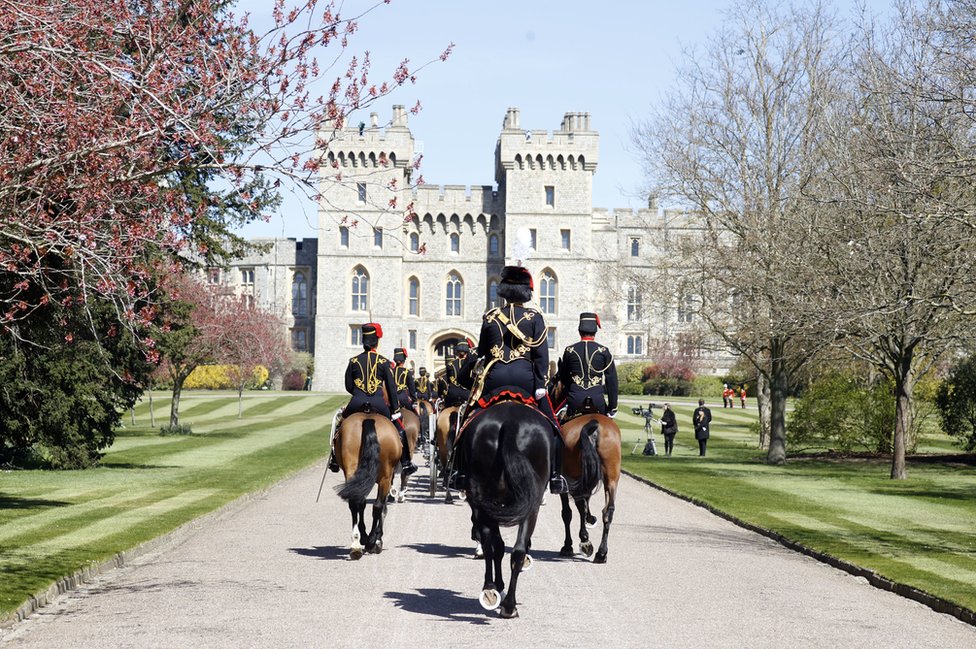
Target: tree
{"points": [[895, 226], [956, 401], [251, 338], [120, 119], [738, 142]]}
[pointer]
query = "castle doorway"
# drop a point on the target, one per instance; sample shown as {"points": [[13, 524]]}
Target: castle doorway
{"points": [[440, 348]]}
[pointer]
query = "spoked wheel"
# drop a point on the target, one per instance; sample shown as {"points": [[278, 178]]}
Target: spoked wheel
{"points": [[433, 474]]}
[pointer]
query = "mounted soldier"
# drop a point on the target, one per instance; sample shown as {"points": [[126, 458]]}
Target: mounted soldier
{"points": [[514, 354], [457, 375], [424, 385], [367, 376], [588, 372], [403, 377]]}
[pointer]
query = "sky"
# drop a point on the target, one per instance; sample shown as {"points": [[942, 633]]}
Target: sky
{"points": [[613, 59]]}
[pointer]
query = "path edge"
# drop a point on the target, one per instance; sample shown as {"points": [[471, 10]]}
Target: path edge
{"points": [[934, 602], [89, 573]]}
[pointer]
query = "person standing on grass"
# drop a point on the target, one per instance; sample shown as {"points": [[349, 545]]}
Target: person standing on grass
{"points": [[669, 428], [742, 396], [702, 418]]}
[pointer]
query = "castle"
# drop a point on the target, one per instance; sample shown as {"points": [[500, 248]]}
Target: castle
{"points": [[429, 279]]}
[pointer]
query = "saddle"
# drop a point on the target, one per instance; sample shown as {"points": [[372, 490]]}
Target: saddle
{"points": [[587, 408], [497, 396]]}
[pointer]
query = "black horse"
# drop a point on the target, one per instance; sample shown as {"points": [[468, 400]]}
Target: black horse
{"points": [[506, 451]]}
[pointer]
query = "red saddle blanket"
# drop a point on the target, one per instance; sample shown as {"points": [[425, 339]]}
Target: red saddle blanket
{"points": [[490, 400]]}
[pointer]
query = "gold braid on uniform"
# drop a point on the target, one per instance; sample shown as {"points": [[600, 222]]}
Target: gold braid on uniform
{"points": [[596, 375], [401, 378], [372, 381]]}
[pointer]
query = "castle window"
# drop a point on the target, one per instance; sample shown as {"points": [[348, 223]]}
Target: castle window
{"points": [[299, 246], [547, 293], [247, 277], [414, 242], [299, 340], [493, 294], [414, 296], [635, 345], [635, 247], [455, 243], [633, 304], [361, 191], [343, 236], [533, 240], [454, 287], [686, 308], [377, 237], [360, 290], [355, 336], [493, 245], [412, 338], [550, 195], [299, 294], [551, 338], [566, 239]]}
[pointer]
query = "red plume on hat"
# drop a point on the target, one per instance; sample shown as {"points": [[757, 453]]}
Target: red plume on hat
{"points": [[470, 343], [373, 328]]}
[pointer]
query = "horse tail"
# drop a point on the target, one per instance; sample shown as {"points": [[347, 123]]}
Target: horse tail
{"points": [[361, 483], [591, 470], [452, 428], [522, 485]]}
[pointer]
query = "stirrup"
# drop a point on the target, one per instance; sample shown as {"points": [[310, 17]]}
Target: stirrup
{"points": [[558, 484], [333, 463]]}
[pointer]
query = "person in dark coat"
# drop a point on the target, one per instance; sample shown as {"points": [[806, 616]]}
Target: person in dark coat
{"points": [[514, 353], [587, 371], [424, 385], [366, 374], [405, 385], [702, 418], [457, 375], [669, 428]]}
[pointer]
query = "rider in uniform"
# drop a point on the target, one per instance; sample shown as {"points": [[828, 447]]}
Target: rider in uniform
{"points": [[457, 375], [514, 352], [587, 371], [423, 384], [366, 375], [405, 385]]}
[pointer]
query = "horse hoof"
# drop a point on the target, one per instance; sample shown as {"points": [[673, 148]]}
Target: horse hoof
{"points": [[489, 599], [586, 548], [401, 497], [601, 557], [377, 548], [566, 551], [527, 563], [508, 615], [356, 554]]}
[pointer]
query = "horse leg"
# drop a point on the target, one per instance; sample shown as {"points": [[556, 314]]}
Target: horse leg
{"points": [[519, 552], [610, 490], [567, 514], [358, 529], [491, 593], [586, 547], [374, 544]]}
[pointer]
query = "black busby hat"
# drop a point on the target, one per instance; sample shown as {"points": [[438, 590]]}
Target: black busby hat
{"points": [[372, 332], [399, 354], [423, 370], [516, 285], [462, 347], [589, 323]]}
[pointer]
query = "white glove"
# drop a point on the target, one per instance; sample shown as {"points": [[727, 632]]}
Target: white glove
{"points": [[612, 413], [541, 392], [396, 415]]}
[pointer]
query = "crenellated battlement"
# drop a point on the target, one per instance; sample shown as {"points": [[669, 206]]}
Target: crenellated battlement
{"points": [[370, 145], [573, 147], [456, 198]]}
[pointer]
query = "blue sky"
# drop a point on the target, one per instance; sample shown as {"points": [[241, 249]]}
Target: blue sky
{"points": [[612, 59]]}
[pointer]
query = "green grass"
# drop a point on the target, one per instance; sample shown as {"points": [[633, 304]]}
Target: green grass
{"points": [[919, 531], [53, 523]]}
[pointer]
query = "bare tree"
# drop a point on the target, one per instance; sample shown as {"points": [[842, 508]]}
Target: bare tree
{"points": [[738, 141]]}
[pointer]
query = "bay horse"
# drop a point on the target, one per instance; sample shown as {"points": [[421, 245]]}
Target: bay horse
{"points": [[411, 426], [368, 450], [427, 414], [591, 454], [445, 429], [506, 451]]}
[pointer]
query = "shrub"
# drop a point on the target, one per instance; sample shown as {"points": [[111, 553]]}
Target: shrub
{"points": [[668, 386], [632, 372], [631, 387], [842, 411], [294, 379], [706, 387], [956, 401], [179, 429]]}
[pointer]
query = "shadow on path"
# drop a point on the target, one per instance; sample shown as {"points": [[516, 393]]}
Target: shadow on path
{"points": [[324, 552], [447, 604], [467, 551]]}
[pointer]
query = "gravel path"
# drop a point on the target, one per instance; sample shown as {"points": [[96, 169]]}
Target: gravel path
{"points": [[274, 573]]}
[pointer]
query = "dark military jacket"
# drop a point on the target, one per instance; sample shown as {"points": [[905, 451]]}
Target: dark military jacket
{"points": [[516, 333], [587, 365], [367, 372], [404, 382], [458, 372], [423, 385]]}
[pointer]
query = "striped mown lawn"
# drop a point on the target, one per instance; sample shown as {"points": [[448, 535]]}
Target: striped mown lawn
{"points": [[53, 523], [920, 531]]}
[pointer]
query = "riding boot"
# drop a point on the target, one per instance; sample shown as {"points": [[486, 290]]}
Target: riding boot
{"points": [[406, 466], [557, 483]]}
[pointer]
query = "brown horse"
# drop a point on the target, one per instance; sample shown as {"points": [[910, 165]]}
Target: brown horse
{"points": [[411, 426], [591, 454], [368, 450], [446, 425]]}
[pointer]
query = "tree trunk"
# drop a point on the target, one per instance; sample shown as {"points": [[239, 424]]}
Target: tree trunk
{"points": [[240, 402], [779, 387], [152, 411], [762, 401], [174, 407], [904, 387]]}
